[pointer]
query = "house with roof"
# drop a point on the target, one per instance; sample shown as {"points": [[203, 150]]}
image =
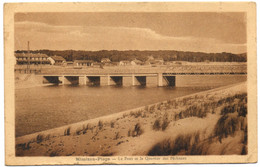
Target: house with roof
{"points": [[86, 63], [136, 62], [31, 58], [124, 63], [105, 60], [149, 58], [56, 60]]}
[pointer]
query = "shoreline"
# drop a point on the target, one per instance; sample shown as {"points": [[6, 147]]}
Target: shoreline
{"points": [[58, 131]]}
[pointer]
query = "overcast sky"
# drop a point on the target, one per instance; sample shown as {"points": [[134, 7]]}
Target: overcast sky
{"points": [[204, 32]]}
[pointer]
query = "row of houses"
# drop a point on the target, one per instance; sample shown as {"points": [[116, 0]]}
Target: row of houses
{"points": [[30, 58], [38, 59]]}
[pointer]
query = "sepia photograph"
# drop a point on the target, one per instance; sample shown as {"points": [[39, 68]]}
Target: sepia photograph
{"points": [[131, 86]]}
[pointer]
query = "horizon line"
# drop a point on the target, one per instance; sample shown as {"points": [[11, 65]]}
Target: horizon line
{"points": [[130, 50]]}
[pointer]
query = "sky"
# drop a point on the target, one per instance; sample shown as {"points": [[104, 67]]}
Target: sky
{"points": [[190, 31]]}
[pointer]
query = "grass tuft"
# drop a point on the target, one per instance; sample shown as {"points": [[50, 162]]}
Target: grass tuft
{"points": [[183, 144], [78, 131], [136, 131], [85, 128], [244, 150], [54, 153], [100, 124], [116, 136], [67, 132], [112, 124], [157, 124], [39, 138]]}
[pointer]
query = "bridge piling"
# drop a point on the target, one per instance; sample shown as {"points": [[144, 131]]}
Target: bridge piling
{"points": [[160, 79], [104, 80], [82, 80], [133, 79], [128, 80]]}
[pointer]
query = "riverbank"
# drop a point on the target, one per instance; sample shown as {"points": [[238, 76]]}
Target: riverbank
{"points": [[23, 81], [143, 131]]}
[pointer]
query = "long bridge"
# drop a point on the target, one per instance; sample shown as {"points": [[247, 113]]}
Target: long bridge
{"points": [[133, 75]]}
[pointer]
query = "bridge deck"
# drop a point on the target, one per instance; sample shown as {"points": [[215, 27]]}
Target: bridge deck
{"points": [[142, 70]]}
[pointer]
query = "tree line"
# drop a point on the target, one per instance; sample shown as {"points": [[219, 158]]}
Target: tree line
{"points": [[166, 55]]}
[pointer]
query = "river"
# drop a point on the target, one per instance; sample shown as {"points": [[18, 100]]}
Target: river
{"points": [[46, 107]]}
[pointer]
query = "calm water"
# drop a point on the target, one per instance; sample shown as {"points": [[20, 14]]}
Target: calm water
{"points": [[42, 108]]}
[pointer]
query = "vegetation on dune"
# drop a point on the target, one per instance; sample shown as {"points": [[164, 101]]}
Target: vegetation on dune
{"points": [[112, 124], [116, 136], [100, 124], [184, 144], [23, 146], [136, 131], [39, 138], [136, 114], [78, 131], [161, 124], [233, 119], [54, 153], [244, 150], [67, 132], [85, 128], [157, 124]]}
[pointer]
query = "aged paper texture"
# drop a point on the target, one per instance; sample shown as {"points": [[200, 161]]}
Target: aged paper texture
{"points": [[130, 83]]}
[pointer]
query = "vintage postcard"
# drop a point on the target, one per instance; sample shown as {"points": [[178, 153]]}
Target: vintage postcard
{"points": [[130, 83]]}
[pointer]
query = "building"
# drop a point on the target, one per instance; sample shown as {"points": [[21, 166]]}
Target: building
{"points": [[105, 60], [57, 60], [124, 63], [31, 58], [136, 62], [149, 61], [149, 58], [87, 63]]}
